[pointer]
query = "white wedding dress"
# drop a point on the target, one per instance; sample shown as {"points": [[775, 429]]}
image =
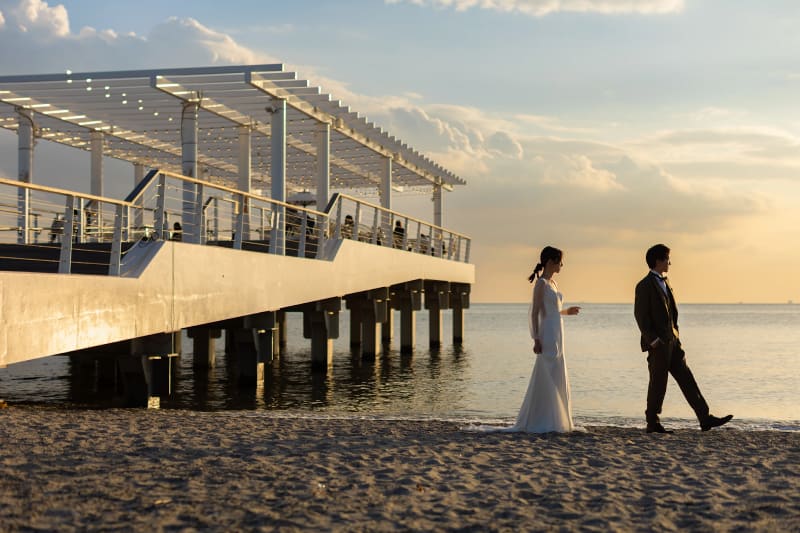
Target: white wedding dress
{"points": [[547, 405]]}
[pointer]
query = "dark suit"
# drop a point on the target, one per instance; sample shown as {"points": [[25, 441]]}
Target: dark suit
{"points": [[657, 316]]}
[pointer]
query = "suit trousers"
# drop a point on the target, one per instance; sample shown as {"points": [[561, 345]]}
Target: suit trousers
{"points": [[669, 358]]}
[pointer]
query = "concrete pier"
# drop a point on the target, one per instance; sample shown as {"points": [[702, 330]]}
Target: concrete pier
{"points": [[407, 298], [437, 298], [459, 300], [148, 373], [321, 325], [204, 346], [372, 308], [355, 325], [253, 344]]}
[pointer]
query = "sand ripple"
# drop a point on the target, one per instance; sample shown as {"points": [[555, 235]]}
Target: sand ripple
{"points": [[134, 470]]}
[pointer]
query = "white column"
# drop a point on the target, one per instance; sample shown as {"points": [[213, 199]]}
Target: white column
{"points": [[96, 146], [191, 232], [25, 172], [436, 238], [138, 173], [245, 175], [138, 214], [278, 174], [386, 200], [323, 165]]}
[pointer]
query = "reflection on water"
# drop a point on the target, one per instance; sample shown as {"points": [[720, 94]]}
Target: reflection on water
{"points": [[425, 382], [743, 356]]}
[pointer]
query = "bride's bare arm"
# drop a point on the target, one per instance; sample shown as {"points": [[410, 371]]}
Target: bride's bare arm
{"points": [[574, 310], [536, 309]]}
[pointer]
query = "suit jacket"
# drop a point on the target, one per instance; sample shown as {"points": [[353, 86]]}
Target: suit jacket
{"points": [[656, 313]]}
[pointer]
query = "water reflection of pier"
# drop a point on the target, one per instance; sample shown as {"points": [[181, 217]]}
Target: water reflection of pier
{"points": [[392, 382]]}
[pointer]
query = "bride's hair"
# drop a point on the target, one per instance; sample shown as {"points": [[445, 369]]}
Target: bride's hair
{"points": [[549, 253]]}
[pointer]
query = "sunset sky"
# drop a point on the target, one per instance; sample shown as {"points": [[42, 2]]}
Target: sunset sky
{"points": [[598, 126]]}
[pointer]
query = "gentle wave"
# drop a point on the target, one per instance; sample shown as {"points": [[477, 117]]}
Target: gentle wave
{"points": [[742, 425]]}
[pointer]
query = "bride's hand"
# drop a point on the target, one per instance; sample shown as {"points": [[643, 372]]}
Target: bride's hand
{"points": [[537, 346], [574, 310]]}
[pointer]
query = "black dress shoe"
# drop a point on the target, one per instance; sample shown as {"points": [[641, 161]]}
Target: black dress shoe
{"points": [[658, 428], [712, 421]]}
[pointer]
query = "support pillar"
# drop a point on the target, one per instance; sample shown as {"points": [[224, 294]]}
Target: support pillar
{"points": [[459, 300], [277, 243], [437, 296], [387, 327], [372, 309], [25, 131], [148, 373], [321, 325], [253, 344], [281, 331], [407, 298], [190, 216], [355, 327], [204, 341]]}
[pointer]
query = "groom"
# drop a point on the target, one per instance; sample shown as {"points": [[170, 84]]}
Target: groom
{"points": [[657, 316]]}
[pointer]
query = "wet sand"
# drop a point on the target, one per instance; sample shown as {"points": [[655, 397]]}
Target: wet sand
{"points": [[136, 470]]}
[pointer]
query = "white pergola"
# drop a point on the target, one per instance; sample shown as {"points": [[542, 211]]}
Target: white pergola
{"points": [[251, 127]]}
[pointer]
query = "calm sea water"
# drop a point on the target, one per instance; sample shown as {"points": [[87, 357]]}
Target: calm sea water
{"points": [[745, 358]]}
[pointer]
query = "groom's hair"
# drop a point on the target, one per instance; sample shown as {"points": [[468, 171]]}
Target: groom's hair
{"points": [[658, 252]]}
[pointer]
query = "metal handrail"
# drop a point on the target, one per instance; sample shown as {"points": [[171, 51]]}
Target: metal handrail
{"points": [[65, 192], [247, 215], [397, 214]]}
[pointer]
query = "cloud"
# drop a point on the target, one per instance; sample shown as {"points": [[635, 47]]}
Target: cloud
{"points": [[540, 8], [37, 17], [726, 152], [531, 178], [45, 35]]}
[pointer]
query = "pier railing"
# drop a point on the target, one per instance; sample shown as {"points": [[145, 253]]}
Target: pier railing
{"points": [[366, 222], [46, 220], [166, 205]]}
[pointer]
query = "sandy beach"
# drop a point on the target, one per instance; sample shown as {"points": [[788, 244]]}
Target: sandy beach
{"points": [[134, 470]]}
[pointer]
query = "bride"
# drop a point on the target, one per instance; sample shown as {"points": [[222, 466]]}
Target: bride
{"points": [[547, 406]]}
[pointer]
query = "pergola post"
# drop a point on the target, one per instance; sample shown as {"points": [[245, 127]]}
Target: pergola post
{"points": [[138, 173], [278, 174], [436, 238], [386, 200], [323, 165], [191, 233], [138, 214], [94, 225], [96, 144], [25, 168], [245, 177], [323, 175]]}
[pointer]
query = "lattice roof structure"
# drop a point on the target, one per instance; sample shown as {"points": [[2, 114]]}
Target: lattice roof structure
{"points": [[140, 111]]}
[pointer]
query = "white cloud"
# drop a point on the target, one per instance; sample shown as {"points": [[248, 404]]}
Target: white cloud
{"points": [[36, 16], [540, 8], [50, 46], [526, 173], [2, 20]]}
